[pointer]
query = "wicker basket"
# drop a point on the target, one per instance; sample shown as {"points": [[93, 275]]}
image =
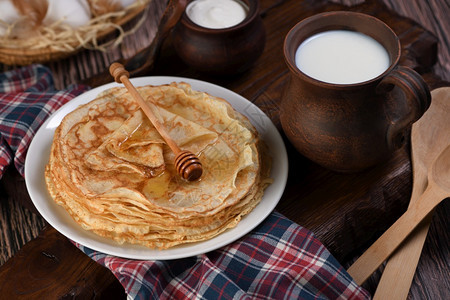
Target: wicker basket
{"points": [[17, 55]]}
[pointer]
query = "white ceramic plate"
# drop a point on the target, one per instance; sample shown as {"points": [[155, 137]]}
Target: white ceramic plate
{"points": [[57, 217]]}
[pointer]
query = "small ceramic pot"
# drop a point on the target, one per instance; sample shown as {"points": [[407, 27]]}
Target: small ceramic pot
{"points": [[224, 51]]}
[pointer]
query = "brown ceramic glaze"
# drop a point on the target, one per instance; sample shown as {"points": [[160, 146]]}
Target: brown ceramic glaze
{"points": [[350, 127], [221, 51]]}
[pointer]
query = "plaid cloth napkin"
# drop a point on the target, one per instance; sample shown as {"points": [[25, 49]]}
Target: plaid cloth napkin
{"points": [[27, 98], [277, 260]]}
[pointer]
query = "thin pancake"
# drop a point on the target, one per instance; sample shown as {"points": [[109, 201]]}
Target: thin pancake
{"points": [[113, 173]]}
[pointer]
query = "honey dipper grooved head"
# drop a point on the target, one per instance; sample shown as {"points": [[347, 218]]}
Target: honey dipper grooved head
{"points": [[188, 166], [117, 70]]}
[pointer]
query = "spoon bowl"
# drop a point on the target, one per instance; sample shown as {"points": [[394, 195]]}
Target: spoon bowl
{"points": [[440, 173]]}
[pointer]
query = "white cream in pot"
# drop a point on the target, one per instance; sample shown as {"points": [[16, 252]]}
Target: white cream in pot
{"points": [[217, 14]]}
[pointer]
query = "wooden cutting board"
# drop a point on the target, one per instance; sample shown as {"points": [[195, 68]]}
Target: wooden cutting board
{"points": [[346, 212]]}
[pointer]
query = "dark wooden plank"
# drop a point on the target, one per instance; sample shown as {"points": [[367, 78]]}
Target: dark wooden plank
{"points": [[51, 267], [347, 212], [18, 224]]}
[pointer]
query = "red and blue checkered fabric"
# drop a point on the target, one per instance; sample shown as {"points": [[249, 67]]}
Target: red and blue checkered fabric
{"points": [[27, 98], [277, 260]]}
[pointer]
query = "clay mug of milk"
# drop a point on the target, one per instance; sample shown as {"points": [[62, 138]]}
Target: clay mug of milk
{"points": [[348, 104], [221, 37]]}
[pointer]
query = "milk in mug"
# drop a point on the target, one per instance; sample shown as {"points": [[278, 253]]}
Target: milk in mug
{"points": [[217, 14], [342, 57]]}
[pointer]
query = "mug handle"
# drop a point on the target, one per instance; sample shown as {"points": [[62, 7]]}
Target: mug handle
{"points": [[413, 93]]}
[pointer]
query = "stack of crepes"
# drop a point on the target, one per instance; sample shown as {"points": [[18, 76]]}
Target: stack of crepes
{"points": [[113, 173]]}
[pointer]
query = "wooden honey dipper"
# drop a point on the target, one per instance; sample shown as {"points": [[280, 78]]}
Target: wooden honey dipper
{"points": [[187, 163]]}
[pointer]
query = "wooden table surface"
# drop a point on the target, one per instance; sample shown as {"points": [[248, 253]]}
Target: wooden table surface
{"points": [[347, 212]]}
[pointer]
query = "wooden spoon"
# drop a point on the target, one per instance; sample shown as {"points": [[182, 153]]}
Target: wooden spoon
{"points": [[438, 189], [427, 141], [187, 164]]}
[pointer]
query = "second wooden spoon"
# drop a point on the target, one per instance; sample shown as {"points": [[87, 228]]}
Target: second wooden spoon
{"points": [[438, 189], [428, 136]]}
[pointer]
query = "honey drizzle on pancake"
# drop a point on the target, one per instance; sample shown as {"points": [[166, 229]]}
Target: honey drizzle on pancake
{"points": [[153, 206]]}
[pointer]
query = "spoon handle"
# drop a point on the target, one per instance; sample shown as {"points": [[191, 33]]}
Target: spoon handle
{"points": [[370, 260], [398, 273]]}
